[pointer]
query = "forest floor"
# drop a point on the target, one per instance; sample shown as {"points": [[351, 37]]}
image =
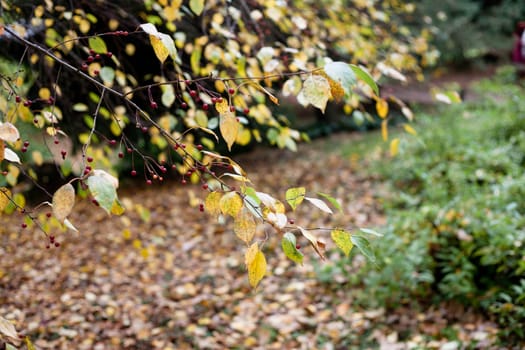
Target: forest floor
{"points": [[166, 276]]}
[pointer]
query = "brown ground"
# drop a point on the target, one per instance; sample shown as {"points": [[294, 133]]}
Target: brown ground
{"points": [[176, 280]]}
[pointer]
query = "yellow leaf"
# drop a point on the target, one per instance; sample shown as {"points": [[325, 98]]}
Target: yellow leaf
{"points": [[394, 147], [161, 51], [211, 203], [244, 226], [197, 6], [230, 204], [250, 253], [316, 91], [256, 268], [410, 129], [229, 127], [222, 107], [63, 202], [382, 108], [384, 130], [38, 158], [117, 208], [342, 240], [5, 198]]}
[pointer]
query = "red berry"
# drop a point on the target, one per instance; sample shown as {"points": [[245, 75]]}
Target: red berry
{"points": [[129, 150], [63, 153], [291, 221], [95, 72], [24, 225], [193, 93], [121, 155], [109, 54], [148, 182], [220, 99], [84, 66], [133, 173], [144, 129], [183, 145], [232, 108], [18, 99], [204, 186], [24, 149], [199, 147], [91, 52], [214, 100], [163, 169], [184, 182], [28, 103], [297, 246], [201, 207], [26, 143], [90, 59], [246, 110], [205, 107], [48, 215], [89, 159], [57, 244], [56, 142], [231, 91], [112, 142], [184, 105], [153, 105], [97, 56]]}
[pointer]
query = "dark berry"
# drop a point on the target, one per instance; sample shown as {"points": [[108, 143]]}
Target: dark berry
{"points": [[153, 105], [231, 91], [84, 66], [24, 149], [184, 105], [193, 93], [199, 147], [18, 99], [144, 129], [133, 173], [90, 59], [26, 143], [205, 107], [97, 56], [89, 159], [121, 155], [57, 244], [109, 54], [24, 225]]}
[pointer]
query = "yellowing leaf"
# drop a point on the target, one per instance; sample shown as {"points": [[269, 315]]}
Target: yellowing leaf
{"points": [[294, 196], [382, 108], [256, 269], [63, 202], [229, 127], [342, 240], [289, 245], [197, 6], [29, 344], [163, 45], [410, 129], [160, 50], [244, 226], [9, 132], [316, 244], [384, 129], [5, 198], [231, 204], [341, 73], [394, 147], [211, 203], [222, 107], [250, 253], [117, 208], [316, 91]]}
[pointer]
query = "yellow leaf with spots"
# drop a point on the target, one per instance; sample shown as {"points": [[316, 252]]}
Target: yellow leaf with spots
{"points": [[382, 108], [342, 240], [244, 225], [5, 198], [229, 127], [222, 107], [212, 203], [394, 147], [63, 202], [230, 204]]}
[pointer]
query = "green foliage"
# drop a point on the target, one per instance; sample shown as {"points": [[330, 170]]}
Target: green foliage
{"points": [[466, 30], [457, 211]]}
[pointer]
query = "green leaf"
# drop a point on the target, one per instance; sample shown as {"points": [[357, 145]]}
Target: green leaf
{"points": [[103, 190], [195, 60], [364, 247], [107, 74], [363, 74], [289, 245], [97, 44], [332, 200], [342, 240], [197, 6], [342, 73], [294, 196], [371, 232]]}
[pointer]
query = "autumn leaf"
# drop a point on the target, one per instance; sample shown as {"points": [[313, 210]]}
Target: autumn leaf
{"points": [[294, 196], [384, 129], [197, 6], [9, 132], [250, 253], [316, 244], [7, 328], [382, 108], [409, 129], [316, 91], [231, 204], [289, 245], [5, 198], [394, 147], [229, 127], [212, 203], [162, 44], [342, 73], [342, 240], [319, 204], [63, 202], [103, 190], [97, 44], [244, 226], [256, 268], [222, 106]]}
